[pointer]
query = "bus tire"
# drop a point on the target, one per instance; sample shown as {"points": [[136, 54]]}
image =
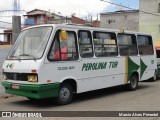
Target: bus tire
{"points": [[65, 94], [133, 83]]}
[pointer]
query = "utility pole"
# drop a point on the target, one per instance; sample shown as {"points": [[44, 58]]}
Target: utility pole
{"points": [[16, 21], [16, 27]]}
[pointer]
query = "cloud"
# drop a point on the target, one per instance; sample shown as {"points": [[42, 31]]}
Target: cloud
{"points": [[82, 8], [66, 7], [6, 5]]}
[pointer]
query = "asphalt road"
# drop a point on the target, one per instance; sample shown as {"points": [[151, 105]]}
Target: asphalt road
{"points": [[145, 98]]}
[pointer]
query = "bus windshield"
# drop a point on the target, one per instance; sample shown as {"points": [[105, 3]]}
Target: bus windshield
{"points": [[31, 43]]}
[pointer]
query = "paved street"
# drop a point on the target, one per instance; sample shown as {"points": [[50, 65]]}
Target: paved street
{"points": [[145, 98]]}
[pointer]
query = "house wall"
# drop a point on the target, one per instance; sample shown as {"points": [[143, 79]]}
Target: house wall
{"points": [[150, 23], [120, 20], [2, 37], [6, 38]]}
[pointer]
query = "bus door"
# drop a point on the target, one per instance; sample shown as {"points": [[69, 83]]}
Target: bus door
{"points": [[147, 57]]}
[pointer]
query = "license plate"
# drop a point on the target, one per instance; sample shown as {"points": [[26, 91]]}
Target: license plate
{"points": [[15, 86]]}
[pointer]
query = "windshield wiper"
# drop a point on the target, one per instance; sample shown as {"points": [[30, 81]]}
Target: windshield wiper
{"points": [[15, 57], [28, 55]]}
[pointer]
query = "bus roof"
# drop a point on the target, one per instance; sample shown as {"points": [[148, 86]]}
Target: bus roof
{"points": [[83, 27]]}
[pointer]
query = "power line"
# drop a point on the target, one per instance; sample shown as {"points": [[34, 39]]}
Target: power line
{"points": [[5, 22], [4, 27], [129, 7], [9, 22]]}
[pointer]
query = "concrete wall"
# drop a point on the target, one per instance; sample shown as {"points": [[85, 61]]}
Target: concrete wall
{"points": [[150, 23], [5, 38], [2, 37], [1, 34], [120, 20]]}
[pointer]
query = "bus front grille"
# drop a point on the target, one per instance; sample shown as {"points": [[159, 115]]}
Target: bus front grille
{"points": [[18, 76]]}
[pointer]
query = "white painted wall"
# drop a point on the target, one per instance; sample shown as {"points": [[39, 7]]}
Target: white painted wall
{"points": [[1, 35]]}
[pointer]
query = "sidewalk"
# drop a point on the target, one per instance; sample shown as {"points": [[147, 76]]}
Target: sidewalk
{"points": [[5, 46]]}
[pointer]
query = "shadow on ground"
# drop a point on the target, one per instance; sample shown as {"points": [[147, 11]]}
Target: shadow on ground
{"points": [[97, 94]]}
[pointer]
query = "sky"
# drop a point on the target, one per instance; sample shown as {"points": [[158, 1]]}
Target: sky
{"points": [[81, 8]]}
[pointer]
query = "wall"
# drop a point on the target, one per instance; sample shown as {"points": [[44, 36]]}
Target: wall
{"points": [[150, 23], [2, 37], [1, 34], [120, 20]]}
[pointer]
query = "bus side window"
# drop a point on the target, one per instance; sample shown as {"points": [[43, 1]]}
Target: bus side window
{"points": [[105, 44], [62, 50], [55, 51], [85, 44], [69, 47], [145, 45], [127, 44]]}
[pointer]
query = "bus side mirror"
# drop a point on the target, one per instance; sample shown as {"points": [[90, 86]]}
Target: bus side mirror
{"points": [[63, 35]]}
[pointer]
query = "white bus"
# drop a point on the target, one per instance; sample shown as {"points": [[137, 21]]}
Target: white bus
{"points": [[59, 60]]}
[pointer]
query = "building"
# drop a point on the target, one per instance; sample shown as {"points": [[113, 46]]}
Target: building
{"points": [[38, 16], [1, 36], [150, 22], [5, 37], [146, 19], [77, 20], [96, 23], [124, 19]]}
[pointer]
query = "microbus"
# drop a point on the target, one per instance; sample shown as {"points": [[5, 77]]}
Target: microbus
{"points": [[60, 60]]}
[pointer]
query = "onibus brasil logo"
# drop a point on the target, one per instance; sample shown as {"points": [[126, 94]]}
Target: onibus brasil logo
{"points": [[10, 66]]}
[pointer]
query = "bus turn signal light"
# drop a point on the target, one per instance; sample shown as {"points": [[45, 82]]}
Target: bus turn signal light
{"points": [[34, 71], [32, 78], [48, 81]]}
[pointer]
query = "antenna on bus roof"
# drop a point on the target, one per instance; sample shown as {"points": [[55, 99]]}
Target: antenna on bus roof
{"points": [[122, 30]]}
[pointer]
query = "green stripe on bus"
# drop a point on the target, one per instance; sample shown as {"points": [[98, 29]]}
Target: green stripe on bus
{"points": [[33, 91], [143, 67], [132, 67]]}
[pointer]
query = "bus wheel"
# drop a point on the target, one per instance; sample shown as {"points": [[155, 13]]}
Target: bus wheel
{"points": [[65, 94], [133, 83]]}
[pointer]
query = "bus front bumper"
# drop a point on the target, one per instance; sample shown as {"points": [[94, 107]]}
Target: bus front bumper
{"points": [[32, 91]]}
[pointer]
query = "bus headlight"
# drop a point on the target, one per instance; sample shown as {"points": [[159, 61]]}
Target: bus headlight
{"points": [[4, 77], [32, 78]]}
